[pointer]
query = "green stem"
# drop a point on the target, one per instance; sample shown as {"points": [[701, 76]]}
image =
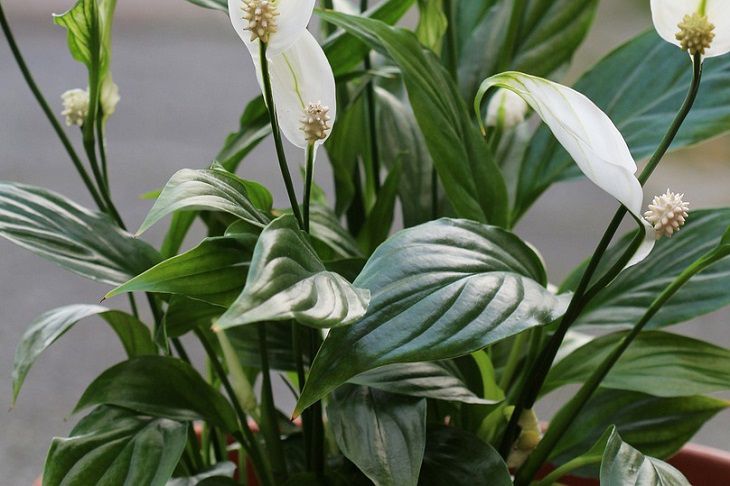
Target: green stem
{"points": [[308, 176], [244, 435], [270, 422], [372, 122], [196, 452], [102, 153], [538, 372], [513, 30], [451, 54], [513, 360], [47, 111], [280, 154], [317, 445], [569, 466], [565, 417]]}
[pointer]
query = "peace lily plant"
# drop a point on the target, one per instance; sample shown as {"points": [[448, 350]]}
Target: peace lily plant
{"points": [[418, 351]]}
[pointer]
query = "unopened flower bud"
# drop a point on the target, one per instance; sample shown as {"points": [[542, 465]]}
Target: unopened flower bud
{"points": [[528, 440], [667, 213], [695, 33], [75, 106], [315, 122], [109, 97], [506, 109], [261, 17]]}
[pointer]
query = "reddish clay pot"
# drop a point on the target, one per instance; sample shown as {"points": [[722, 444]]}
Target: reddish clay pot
{"points": [[702, 466]]}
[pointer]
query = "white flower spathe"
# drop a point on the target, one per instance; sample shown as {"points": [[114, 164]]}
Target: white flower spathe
{"points": [[506, 109], [668, 14], [290, 19], [301, 76], [588, 135]]}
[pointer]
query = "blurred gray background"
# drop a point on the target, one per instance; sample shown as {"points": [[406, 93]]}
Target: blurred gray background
{"points": [[184, 78]]}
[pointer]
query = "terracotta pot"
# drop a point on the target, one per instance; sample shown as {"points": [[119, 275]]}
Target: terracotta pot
{"points": [[701, 465]]}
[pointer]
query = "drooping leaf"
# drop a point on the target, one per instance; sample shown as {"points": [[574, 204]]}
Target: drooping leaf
{"points": [[287, 280], [428, 380], [214, 271], [57, 229], [656, 426], [439, 290], [454, 456], [160, 386], [548, 36], [626, 299], [657, 363], [209, 189], [115, 446], [625, 85], [345, 51], [623, 465], [466, 167], [382, 433], [51, 325]]}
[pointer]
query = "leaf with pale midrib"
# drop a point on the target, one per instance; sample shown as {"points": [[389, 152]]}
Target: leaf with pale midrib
{"points": [[287, 280], [439, 290], [82, 241]]}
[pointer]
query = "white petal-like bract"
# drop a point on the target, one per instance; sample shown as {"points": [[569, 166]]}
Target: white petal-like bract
{"points": [[587, 134], [667, 14]]}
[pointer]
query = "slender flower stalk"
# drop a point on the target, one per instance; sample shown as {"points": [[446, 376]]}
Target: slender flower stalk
{"points": [[538, 372], [308, 175]]}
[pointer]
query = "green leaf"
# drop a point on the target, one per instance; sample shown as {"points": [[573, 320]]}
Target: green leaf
{"points": [[214, 271], [432, 24], [625, 466], [625, 300], [466, 167], [401, 141], [221, 470], [454, 456], [57, 229], [380, 219], [50, 326], [245, 341], [625, 85], [287, 280], [657, 363], [439, 290], [114, 446], [548, 36], [221, 5], [160, 386], [428, 380], [346, 52], [208, 189], [331, 240], [382, 433], [179, 226], [656, 426], [253, 128]]}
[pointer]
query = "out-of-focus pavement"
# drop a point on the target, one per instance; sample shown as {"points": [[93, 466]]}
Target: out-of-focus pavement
{"points": [[184, 78]]}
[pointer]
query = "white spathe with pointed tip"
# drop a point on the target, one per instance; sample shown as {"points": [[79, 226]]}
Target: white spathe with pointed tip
{"points": [[588, 135], [668, 14], [290, 19]]}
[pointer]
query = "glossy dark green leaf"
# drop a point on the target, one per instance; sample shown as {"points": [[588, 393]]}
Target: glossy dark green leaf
{"points": [[623, 465], [428, 380], [656, 426], [185, 314], [208, 189], [57, 229], [657, 363], [160, 386], [401, 141], [287, 280], [51, 325], [346, 52], [331, 240], [114, 446], [626, 299], [221, 5], [625, 85], [253, 128], [382, 433], [245, 341], [439, 290], [454, 456], [180, 224], [214, 271], [548, 36], [466, 167], [380, 219], [218, 474]]}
